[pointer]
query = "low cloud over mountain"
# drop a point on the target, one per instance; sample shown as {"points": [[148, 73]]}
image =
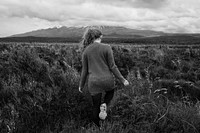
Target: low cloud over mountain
{"points": [[19, 16]]}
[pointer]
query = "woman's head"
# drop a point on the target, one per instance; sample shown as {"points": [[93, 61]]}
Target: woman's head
{"points": [[90, 35]]}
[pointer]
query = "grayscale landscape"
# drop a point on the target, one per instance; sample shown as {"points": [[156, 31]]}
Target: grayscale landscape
{"points": [[156, 46]]}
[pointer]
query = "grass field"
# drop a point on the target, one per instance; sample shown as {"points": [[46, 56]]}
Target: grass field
{"points": [[39, 89]]}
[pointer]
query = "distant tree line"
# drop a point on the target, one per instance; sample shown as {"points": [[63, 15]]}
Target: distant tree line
{"points": [[176, 39]]}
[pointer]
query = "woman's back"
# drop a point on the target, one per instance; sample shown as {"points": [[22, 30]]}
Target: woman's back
{"points": [[97, 59], [98, 64]]}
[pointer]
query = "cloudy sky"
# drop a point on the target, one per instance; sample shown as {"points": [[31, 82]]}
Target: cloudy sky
{"points": [[19, 16]]}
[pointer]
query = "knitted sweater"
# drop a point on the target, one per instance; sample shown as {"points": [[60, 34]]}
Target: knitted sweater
{"points": [[98, 63]]}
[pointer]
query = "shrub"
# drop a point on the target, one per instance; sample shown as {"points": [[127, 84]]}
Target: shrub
{"points": [[39, 90], [36, 95]]}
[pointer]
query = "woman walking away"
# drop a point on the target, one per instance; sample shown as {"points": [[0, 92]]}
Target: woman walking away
{"points": [[99, 65]]}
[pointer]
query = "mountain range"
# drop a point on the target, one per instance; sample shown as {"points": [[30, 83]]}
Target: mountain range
{"points": [[108, 31], [112, 34]]}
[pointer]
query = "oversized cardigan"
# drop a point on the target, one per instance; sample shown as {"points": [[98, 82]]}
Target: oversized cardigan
{"points": [[98, 63]]}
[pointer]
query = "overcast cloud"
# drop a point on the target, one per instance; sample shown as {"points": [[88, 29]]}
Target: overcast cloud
{"points": [[18, 16]]}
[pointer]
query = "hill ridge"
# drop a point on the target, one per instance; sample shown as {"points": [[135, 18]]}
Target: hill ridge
{"points": [[67, 32]]}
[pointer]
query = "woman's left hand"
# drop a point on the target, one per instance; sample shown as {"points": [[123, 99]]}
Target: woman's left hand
{"points": [[80, 90]]}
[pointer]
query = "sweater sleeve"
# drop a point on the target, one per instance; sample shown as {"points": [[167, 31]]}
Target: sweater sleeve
{"points": [[84, 72], [112, 65]]}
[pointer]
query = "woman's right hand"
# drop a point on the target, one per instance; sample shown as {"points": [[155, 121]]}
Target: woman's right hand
{"points": [[126, 83]]}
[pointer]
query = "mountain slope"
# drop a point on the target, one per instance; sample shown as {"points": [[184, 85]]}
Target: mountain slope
{"points": [[108, 31]]}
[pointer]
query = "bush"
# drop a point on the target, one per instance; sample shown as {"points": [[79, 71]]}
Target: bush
{"points": [[153, 112], [36, 95], [39, 91]]}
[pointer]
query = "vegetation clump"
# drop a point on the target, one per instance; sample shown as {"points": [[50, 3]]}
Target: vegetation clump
{"points": [[39, 90]]}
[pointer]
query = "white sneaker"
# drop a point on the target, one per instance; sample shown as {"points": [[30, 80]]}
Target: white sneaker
{"points": [[103, 109]]}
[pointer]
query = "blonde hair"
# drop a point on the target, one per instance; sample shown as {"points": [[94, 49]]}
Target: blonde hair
{"points": [[89, 36]]}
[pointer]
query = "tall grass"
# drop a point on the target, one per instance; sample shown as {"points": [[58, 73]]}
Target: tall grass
{"points": [[39, 91]]}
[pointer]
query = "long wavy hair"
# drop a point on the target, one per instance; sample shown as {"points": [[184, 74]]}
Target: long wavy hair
{"points": [[89, 36]]}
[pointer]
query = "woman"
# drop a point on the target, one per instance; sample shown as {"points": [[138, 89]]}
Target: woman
{"points": [[99, 65]]}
